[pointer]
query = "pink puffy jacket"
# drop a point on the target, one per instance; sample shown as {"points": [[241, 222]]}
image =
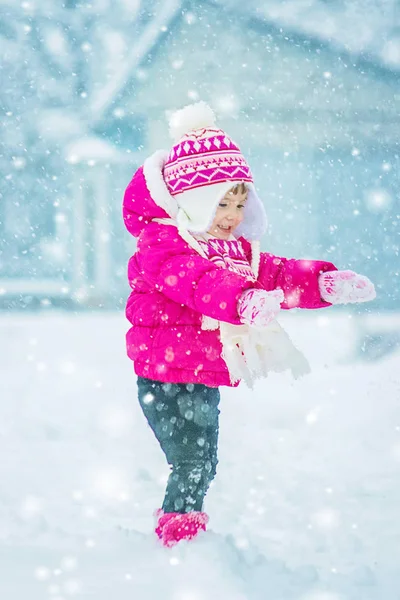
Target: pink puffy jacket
{"points": [[173, 287]]}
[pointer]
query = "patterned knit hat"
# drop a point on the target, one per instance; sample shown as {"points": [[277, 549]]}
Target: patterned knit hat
{"points": [[202, 166]]}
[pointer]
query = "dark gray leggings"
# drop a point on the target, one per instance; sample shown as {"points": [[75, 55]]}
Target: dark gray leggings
{"points": [[184, 419]]}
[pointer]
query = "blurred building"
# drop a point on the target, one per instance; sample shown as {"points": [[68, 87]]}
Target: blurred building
{"points": [[319, 125]]}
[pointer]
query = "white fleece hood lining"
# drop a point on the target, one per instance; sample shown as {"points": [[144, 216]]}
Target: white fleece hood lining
{"points": [[152, 171]]}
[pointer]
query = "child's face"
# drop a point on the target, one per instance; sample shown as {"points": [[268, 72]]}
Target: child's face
{"points": [[229, 213]]}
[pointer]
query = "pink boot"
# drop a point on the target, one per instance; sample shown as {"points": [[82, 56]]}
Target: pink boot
{"points": [[162, 519], [173, 527]]}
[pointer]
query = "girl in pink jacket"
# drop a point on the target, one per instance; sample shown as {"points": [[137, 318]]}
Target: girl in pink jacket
{"points": [[204, 301]]}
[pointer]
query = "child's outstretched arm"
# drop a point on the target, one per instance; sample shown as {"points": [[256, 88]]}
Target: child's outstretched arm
{"points": [[313, 283], [168, 263], [298, 279]]}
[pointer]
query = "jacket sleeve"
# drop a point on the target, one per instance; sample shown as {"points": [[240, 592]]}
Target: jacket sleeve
{"points": [[169, 264], [297, 278]]}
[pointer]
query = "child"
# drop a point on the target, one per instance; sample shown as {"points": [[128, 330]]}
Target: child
{"points": [[204, 301]]}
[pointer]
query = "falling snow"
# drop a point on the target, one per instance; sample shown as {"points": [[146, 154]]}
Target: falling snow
{"points": [[305, 504]]}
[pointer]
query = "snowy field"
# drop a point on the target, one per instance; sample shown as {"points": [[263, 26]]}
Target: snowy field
{"points": [[306, 501]]}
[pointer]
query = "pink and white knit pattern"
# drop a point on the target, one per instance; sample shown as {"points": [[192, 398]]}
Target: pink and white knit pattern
{"points": [[203, 157], [228, 254]]}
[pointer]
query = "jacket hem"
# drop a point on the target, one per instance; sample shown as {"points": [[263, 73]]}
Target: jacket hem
{"points": [[168, 375]]}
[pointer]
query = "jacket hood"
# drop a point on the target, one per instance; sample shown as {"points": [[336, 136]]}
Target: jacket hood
{"points": [[147, 198]]}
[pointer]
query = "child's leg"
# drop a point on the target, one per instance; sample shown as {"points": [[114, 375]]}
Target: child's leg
{"points": [[184, 419]]}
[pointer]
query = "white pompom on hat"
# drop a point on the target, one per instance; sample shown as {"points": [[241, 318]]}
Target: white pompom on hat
{"points": [[193, 116]]}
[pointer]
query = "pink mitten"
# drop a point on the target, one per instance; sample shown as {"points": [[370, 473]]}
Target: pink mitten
{"points": [[343, 287], [258, 307]]}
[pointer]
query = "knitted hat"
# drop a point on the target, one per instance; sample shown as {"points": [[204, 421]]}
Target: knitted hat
{"points": [[202, 166]]}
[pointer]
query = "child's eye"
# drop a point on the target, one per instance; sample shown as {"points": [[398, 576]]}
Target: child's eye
{"points": [[240, 205], [222, 204]]}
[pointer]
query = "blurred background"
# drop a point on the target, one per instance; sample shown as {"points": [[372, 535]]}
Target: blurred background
{"points": [[309, 89]]}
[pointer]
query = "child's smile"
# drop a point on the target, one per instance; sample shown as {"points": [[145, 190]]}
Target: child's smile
{"points": [[227, 228], [229, 212]]}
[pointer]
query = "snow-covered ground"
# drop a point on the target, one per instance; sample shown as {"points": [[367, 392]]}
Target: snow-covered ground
{"points": [[306, 501]]}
